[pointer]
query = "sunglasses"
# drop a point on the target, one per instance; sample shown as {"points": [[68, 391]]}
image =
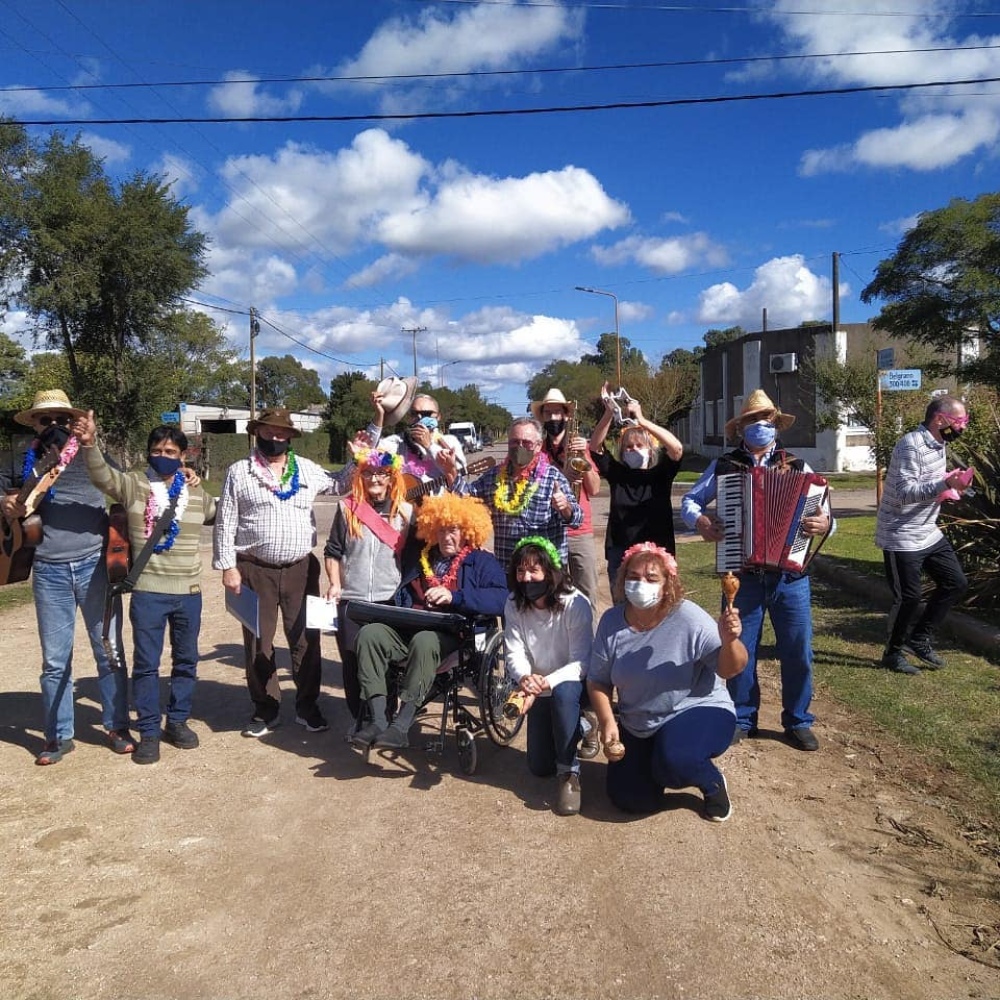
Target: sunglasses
{"points": [[425, 413], [380, 473], [522, 443], [63, 420]]}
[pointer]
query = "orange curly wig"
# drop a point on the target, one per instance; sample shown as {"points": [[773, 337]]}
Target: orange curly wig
{"points": [[448, 509]]}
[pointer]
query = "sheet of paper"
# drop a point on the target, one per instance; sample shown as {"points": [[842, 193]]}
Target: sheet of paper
{"points": [[321, 614], [244, 607]]}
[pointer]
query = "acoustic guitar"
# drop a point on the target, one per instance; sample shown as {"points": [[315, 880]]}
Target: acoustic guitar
{"points": [[416, 490], [19, 537]]}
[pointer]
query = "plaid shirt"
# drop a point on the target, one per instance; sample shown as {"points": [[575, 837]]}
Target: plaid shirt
{"points": [[251, 519], [538, 518]]}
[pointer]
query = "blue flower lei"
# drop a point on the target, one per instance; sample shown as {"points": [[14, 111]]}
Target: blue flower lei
{"points": [[30, 458], [174, 529]]}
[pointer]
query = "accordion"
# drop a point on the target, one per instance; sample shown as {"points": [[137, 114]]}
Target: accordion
{"points": [[762, 511]]}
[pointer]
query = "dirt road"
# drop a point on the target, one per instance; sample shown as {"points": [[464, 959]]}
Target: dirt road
{"points": [[287, 868]]}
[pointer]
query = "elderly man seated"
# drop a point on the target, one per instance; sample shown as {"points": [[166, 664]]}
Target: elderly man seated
{"points": [[454, 574]]}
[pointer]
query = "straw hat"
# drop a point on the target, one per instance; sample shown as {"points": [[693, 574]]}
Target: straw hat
{"points": [[274, 416], [48, 401], [758, 406], [552, 398], [397, 395]]}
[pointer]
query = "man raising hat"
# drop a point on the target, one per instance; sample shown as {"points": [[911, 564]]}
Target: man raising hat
{"points": [[265, 532], [68, 573], [785, 596]]}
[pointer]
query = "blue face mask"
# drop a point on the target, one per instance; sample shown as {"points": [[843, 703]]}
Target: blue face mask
{"points": [[164, 466], [760, 434], [431, 423]]}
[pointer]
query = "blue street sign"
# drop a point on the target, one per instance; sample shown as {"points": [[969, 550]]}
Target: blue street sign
{"points": [[170, 418], [886, 358], [901, 378]]}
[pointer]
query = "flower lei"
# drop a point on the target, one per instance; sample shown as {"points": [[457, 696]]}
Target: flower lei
{"points": [[288, 485], [68, 453], [157, 502], [376, 458], [516, 502], [450, 579], [542, 543], [669, 562]]}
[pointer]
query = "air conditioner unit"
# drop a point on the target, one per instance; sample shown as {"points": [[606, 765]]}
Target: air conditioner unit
{"points": [[783, 363]]}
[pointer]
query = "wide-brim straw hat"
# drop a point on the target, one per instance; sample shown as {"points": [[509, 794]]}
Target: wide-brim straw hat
{"points": [[397, 396], [758, 406], [276, 416], [552, 398], [48, 401]]}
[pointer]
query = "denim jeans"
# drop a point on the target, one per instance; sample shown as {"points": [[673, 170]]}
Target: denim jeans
{"points": [[786, 598], [151, 615], [60, 588], [554, 731]]}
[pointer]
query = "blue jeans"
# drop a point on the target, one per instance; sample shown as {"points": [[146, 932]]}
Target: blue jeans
{"points": [[786, 598], [151, 614], [678, 755], [554, 731], [60, 588]]}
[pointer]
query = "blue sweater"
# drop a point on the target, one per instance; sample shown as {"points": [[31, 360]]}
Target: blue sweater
{"points": [[482, 586]]}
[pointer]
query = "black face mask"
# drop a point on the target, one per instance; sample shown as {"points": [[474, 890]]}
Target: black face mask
{"points": [[54, 435], [554, 427], [271, 449], [950, 434], [533, 589]]}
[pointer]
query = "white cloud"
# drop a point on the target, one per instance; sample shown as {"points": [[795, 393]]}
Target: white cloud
{"points": [[784, 286], [24, 103], [898, 227], [106, 149], [390, 265], [672, 255], [634, 312], [245, 99], [182, 174]]}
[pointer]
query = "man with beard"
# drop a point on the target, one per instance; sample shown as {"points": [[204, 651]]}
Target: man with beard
{"points": [[68, 573], [527, 494]]}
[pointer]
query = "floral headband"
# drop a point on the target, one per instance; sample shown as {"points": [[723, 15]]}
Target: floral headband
{"points": [[542, 543], [668, 560], [375, 458]]}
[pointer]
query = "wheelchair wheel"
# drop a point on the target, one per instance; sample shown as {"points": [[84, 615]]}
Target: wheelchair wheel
{"points": [[494, 687], [467, 756]]}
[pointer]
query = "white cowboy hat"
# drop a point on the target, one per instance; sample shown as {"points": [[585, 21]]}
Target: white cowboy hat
{"points": [[758, 406], [48, 401], [397, 395], [552, 398]]}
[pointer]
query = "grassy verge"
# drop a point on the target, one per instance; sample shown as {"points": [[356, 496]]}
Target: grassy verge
{"points": [[15, 595], [947, 719]]}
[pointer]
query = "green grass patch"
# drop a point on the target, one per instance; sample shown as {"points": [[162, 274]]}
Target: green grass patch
{"points": [[15, 595], [946, 719]]}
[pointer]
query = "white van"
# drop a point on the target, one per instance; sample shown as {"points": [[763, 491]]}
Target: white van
{"points": [[468, 436]]}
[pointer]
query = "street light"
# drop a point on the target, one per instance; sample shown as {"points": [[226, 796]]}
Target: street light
{"points": [[441, 369], [618, 339]]}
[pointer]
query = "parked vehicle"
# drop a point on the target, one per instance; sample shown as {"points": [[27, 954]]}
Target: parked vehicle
{"points": [[468, 436]]}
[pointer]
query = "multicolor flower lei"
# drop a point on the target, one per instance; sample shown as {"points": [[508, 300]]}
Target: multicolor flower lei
{"points": [[450, 579], [516, 502], [278, 487], [376, 458], [157, 502], [68, 453]]}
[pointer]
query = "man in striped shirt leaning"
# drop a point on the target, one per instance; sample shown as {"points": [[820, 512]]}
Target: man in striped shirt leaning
{"points": [[907, 532], [265, 532]]}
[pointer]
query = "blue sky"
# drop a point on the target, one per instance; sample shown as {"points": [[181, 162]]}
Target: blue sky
{"points": [[698, 216]]}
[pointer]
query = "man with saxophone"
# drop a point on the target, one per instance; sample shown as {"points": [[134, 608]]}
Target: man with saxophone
{"points": [[567, 450]]}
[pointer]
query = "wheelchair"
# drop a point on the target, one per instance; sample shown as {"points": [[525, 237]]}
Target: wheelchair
{"points": [[478, 667]]}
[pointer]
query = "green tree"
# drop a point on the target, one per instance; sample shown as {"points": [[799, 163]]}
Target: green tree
{"points": [[14, 367], [287, 382], [942, 285], [349, 410], [714, 338]]}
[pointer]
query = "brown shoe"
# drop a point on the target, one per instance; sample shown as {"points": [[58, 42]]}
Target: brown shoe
{"points": [[589, 745], [568, 799]]}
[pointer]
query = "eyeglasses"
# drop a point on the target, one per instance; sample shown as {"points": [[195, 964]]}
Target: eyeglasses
{"points": [[372, 473], [63, 420], [523, 443], [425, 413]]}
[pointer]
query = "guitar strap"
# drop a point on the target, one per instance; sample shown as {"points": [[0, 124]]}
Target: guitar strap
{"points": [[379, 527]]}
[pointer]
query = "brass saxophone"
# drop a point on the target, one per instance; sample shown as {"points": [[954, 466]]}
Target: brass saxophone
{"points": [[575, 463]]}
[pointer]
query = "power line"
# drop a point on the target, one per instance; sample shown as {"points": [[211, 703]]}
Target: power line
{"points": [[684, 8], [515, 112]]}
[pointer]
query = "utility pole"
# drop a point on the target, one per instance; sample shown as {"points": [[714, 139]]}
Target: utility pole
{"points": [[414, 330], [836, 292], [254, 330]]}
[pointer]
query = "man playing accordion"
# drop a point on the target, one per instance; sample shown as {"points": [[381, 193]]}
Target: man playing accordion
{"points": [[783, 593]]}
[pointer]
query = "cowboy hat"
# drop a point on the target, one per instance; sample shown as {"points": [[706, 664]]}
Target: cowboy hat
{"points": [[758, 406], [274, 416], [397, 395], [48, 401], [552, 398]]}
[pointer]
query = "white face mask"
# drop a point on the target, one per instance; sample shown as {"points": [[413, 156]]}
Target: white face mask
{"points": [[642, 593], [636, 459]]}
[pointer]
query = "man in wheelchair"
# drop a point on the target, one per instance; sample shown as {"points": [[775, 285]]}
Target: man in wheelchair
{"points": [[453, 574]]}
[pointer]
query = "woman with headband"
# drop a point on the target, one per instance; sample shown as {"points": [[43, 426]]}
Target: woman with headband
{"points": [[548, 627], [669, 662]]}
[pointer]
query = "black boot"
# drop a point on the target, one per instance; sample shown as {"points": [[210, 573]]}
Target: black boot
{"points": [[396, 737], [378, 725]]}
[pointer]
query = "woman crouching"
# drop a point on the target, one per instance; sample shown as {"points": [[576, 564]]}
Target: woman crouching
{"points": [[669, 662], [548, 629]]}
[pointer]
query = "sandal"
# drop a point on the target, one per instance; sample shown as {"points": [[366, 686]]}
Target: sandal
{"points": [[53, 752], [120, 741]]}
